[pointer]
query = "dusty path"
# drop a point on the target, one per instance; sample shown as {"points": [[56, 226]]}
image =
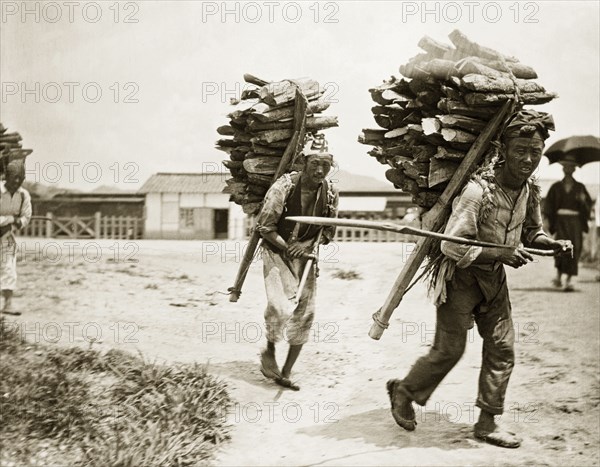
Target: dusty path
{"points": [[166, 306]]}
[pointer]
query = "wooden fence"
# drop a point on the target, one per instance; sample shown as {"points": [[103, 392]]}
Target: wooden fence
{"points": [[97, 226], [355, 234]]}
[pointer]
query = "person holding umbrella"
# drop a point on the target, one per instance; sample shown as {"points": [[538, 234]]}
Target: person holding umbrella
{"points": [[568, 204]]}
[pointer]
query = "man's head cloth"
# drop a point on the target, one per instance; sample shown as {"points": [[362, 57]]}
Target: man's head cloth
{"points": [[529, 124], [15, 168], [317, 147]]}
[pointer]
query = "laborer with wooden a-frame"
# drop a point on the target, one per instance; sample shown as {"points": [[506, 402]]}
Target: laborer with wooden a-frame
{"points": [[286, 251], [500, 204]]}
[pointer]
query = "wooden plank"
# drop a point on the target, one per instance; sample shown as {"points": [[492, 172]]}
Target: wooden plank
{"points": [[486, 99], [433, 47], [468, 47], [482, 83], [285, 91], [312, 123], [282, 113]]}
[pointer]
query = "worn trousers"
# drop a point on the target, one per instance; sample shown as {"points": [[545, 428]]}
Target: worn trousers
{"points": [[483, 295], [284, 317], [8, 263]]}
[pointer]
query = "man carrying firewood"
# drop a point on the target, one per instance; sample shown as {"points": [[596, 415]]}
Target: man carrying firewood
{"points": [[500, 204], [286, 252], [15, 213]]}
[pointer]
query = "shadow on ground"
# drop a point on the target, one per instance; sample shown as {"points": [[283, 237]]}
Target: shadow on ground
{"points": [[378, 428], [243, 370], [541, 289]]}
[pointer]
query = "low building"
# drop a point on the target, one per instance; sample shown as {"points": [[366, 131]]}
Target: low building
{"points": [[193, 205], [364, 196], [190, 206]]}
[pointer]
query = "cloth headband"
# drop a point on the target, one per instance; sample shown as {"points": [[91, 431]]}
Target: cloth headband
{"points": [[528, 123]]}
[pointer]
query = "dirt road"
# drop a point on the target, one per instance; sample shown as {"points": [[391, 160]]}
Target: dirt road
{"points": [[167, 305]]}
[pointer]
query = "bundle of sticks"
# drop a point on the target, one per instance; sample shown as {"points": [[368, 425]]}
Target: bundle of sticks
{"points": [[10, 147], [261, 128], [429, 120]]}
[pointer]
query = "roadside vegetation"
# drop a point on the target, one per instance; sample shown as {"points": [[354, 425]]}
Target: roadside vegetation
{"points": [[73, 406]]}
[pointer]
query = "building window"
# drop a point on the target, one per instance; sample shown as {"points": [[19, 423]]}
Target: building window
{"points": [[186, 217]]}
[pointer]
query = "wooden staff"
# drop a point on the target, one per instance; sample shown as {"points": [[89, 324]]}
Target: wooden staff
{"points": [[309, 263], [433, 221], [409, 230], [287, 159]]}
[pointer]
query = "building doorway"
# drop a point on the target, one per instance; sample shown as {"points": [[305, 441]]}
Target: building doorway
{"points": [[221, 223]]}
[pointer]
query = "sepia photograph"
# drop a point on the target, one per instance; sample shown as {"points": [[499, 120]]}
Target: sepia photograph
{"points": [[299, 233]]}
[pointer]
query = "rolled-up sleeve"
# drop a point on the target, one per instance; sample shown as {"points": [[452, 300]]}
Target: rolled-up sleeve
{"points": [[463, 223], [5, 220], [25, 214], [273, 206], [533, 226]]}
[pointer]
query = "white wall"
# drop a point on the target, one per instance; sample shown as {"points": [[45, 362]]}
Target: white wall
{"points": [[170, 212], [192, 200], [152, 209], [217, 200], [204, 200], [162, 212], [237, 222]]}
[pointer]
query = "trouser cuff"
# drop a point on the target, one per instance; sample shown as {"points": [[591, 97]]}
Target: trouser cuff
{"points": [[411, 395], [489, 408]]}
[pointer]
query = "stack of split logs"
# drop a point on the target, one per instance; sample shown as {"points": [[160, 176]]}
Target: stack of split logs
{"points": [[261, 128], [429, 120], [10, 148]]}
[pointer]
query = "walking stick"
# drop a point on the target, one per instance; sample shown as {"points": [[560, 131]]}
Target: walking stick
{"points": [[311, 259]]}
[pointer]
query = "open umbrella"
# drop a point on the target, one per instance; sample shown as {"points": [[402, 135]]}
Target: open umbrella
{"points": [[581, 149]]}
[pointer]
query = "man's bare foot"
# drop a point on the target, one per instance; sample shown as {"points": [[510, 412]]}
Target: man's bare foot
{"points": [[8, 309], [268, 365], [402, 409], [287, 383], [12, 313]]}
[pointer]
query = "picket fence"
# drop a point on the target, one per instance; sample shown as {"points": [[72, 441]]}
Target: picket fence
{"points": [[97, 226]]}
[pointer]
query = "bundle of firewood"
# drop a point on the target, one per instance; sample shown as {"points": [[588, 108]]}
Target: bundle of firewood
{"points": [[429, 120], [10, 148], [261, 128]]}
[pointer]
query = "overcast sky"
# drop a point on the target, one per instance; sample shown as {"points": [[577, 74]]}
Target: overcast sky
{"points": [[181, 61]]}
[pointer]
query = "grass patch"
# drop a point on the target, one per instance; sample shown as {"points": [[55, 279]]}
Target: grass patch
{"points": [[348, 275], [73, 406]]}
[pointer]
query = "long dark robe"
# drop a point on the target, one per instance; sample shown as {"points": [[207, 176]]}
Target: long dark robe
{"points": [[568, 227]]}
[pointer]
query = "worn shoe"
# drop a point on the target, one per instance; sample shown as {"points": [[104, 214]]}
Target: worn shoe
{"points": [[498, 437], [569, 288], [402, 409], [557, 283]]}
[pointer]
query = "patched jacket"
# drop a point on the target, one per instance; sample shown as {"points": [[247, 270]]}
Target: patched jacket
{"points": [[277, 206], [503, 223]]}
